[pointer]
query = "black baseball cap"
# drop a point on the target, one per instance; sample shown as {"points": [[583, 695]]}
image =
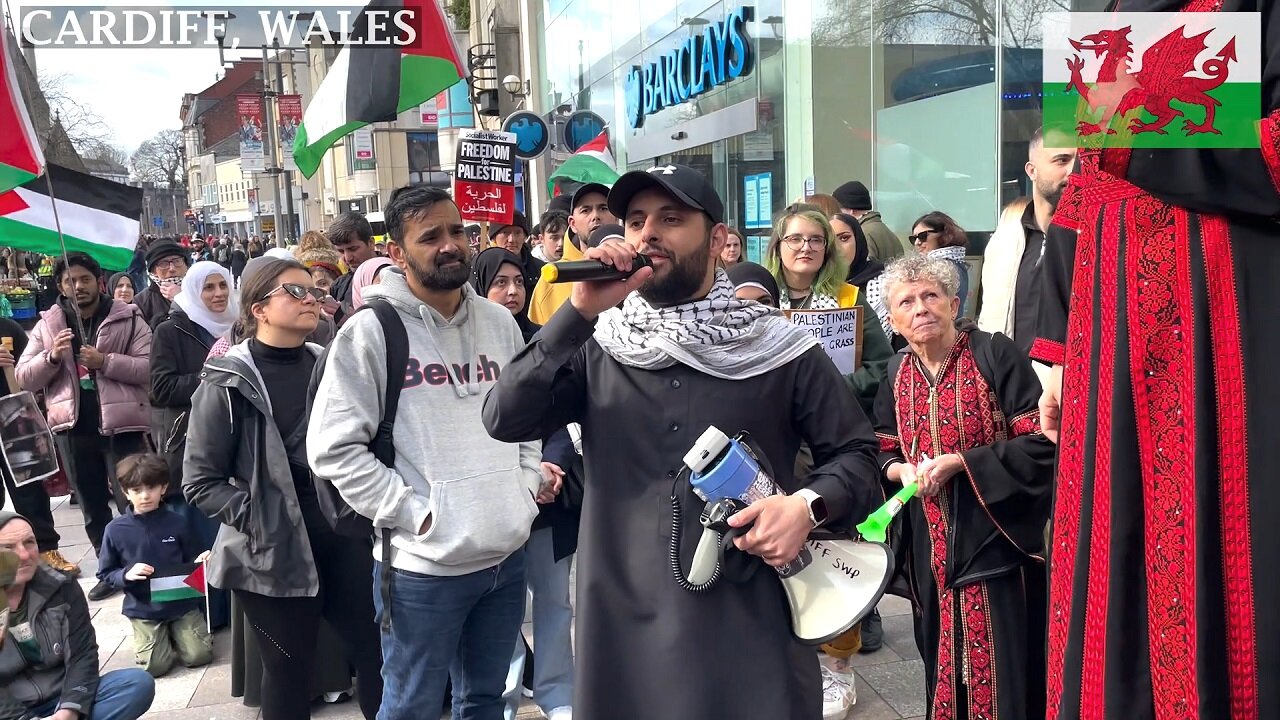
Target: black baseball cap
{"points": [[584, 190], [681, 181]]}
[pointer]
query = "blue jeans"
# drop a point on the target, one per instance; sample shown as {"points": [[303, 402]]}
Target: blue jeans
{"points": [[122, 695], [461, 627], [552, 620]]}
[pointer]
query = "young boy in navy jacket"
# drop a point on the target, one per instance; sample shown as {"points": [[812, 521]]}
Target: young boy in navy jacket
{"points": [[147, 537]]}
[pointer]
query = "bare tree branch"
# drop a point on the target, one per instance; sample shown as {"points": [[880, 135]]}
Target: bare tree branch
{"points": [[83, 126], [160, 159], [106, 151]]}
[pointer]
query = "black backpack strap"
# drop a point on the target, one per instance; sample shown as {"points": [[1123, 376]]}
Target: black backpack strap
{"points": [[396, 339]]}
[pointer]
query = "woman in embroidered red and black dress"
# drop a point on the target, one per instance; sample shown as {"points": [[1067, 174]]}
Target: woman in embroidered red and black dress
{"points": [[959, 416], [1161, 321]]}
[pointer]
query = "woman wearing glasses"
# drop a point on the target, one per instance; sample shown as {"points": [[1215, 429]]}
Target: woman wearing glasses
{"points": [[248, 423]]}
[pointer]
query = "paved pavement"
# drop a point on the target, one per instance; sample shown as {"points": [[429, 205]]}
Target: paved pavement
{"points": [[890, 681]]}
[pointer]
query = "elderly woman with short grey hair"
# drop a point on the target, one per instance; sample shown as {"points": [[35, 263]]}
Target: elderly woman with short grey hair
{"points": [[959, 418]]}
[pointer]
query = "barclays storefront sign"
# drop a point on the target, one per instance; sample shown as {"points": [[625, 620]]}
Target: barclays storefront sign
{"points": [[720, 54]]}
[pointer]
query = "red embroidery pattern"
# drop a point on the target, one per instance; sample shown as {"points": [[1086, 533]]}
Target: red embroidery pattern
{"points": [[980, 652], [1269, 137], [1048, 351], [1070, 498], [963, 415], [888, 443], [1093, 670], [1163, 371], [1028, 423], [1233, 468]]}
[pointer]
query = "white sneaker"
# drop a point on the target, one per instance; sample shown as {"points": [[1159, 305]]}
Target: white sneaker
{"points": [[838, 693], [564, 712]]}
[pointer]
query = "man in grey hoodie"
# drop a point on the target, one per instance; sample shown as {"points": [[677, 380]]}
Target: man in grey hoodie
{"points": [[457, 503]]}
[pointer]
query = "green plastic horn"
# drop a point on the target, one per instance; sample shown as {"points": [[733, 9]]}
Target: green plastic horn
{"points": [[875, 527]]}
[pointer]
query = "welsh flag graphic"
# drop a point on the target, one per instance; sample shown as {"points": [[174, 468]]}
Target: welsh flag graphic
{"points": [[177, 582], [20, 156], [593, 163], [1153, 80], [375, 83]]}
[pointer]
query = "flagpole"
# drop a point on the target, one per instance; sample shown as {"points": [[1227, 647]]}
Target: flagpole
{"points": [[57, 223]]}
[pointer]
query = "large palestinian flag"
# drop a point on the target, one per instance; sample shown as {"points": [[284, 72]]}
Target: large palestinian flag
{"points": [[99, 217], [371, 83], [20, 156]]}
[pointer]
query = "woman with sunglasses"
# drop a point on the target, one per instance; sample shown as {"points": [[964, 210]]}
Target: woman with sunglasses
{"points": [[938, 236], [246, 465]]}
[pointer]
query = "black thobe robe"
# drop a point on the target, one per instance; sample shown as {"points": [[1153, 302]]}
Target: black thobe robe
{"points": [[976, 569], [647, 648], [1163, 313]]}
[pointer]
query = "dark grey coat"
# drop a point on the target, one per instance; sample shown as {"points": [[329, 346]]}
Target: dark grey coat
{"points": [[647, 648], [236, 469], [59, 616]]}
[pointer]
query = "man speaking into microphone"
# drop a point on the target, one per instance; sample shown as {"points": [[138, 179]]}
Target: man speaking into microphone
{"points": [[646, 363]]}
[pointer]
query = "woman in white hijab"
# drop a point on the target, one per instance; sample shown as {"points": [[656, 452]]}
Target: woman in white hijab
{"points": [[202, 312]]}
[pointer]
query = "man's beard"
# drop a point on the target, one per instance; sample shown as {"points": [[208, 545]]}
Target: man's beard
{"points": [[683, 279], [450, 278], [1051, 194]]}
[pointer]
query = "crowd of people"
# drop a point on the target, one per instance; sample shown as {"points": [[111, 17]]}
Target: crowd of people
{"points": [[374, 496]]}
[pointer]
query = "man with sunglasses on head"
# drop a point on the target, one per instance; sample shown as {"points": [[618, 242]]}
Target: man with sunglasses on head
{"points": [[458, 505]]}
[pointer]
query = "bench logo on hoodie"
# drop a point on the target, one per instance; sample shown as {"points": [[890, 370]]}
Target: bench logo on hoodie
{"points": [[436, 374]]}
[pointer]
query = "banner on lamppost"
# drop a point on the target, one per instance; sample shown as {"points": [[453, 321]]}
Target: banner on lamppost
{"points": [[249, 110], [289, 108], [362, 150]]}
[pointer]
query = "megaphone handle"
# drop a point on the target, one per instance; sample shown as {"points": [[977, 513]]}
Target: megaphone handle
{"points": [[706, 558]]}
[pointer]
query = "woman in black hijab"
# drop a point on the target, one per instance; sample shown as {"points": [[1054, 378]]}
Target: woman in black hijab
{"points": [[753, 282], [862, 268], [499, 276]]}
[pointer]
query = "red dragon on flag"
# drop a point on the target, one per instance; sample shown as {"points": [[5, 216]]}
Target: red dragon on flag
{"points": [[1163, 79]]}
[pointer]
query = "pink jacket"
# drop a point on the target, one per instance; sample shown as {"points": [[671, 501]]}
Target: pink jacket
{"points": [[122, 381]]}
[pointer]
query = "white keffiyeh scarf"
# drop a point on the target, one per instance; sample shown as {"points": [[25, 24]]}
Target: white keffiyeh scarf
{"points": [[719, 335]]}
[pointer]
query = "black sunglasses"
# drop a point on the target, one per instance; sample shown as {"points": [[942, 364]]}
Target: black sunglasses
{"points": [[298, 292], [921, 236]]}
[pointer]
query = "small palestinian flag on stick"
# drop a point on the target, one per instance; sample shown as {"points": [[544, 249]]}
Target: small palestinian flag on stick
{"points": [[375, 82], [177, 582]]}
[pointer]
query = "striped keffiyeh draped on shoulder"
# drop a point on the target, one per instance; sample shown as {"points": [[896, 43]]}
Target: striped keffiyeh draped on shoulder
{"points": [[719, 335]]}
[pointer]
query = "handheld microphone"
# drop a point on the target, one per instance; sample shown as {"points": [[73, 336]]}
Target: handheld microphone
{"points": [[590, 270]]}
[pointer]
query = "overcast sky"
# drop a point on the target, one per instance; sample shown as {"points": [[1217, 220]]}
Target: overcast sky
{"points": [[138, 92]]}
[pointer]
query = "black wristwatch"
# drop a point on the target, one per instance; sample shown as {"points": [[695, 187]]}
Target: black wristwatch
{"points": [[818, 513]]}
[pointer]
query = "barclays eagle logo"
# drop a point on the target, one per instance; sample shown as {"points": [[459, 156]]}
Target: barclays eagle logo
{"points": [[635, 106]]}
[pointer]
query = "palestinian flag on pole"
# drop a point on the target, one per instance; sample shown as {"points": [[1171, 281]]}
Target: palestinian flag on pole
{"points": [[177, 582], [99, 217], [593, 163], [375, 83], [20, 156]]}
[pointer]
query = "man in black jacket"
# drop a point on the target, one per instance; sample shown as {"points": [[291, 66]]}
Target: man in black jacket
{"points": [[30, 499], [49, 660], [167, 263], [514, 239]]}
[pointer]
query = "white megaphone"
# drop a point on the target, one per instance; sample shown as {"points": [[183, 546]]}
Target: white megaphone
{"points": [[830, 586]]}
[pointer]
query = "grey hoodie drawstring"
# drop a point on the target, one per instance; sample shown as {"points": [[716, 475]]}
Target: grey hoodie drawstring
{"points": [[472, 387]]}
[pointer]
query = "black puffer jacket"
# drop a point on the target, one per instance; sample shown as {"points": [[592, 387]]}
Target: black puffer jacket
{"points": [[154, 306], [237, 470]]}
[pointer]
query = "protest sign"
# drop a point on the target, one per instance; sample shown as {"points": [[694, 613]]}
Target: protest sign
{"points": [[839, 332], [485, 177]]}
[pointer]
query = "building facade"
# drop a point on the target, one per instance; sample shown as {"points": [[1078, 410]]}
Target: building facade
{"points": [[929, 104]]}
